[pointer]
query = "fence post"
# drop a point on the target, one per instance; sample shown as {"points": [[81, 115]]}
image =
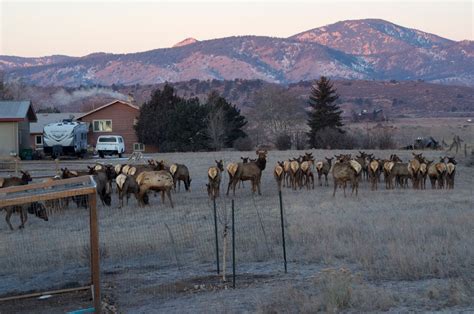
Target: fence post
{"points": [[283, 230], [95, 253], [233, 246], [215, 234]]}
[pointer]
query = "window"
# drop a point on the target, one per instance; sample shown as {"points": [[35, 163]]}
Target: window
{"points": [[120, 140], [108, 139], [102, 125], [138, 147], [39, 140]]}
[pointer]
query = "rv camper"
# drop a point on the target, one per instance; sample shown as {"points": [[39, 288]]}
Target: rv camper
{"points": [[65, 138]]}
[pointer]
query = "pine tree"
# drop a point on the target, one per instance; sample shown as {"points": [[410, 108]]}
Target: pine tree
{"points": [[325, 112]]}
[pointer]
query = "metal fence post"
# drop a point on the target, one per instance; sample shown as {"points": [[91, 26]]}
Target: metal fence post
{"points": [[95, 253], [215, 234], [283, 230], [233, 246]]}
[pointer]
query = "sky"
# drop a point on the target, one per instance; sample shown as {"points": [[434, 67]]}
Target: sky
{"points": [[77, 28]]}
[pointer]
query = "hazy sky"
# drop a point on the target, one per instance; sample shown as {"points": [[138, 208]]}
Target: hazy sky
{"points": [[77, 28]]}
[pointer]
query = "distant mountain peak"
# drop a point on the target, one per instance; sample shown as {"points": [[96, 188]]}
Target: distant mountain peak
{"points": [[185, 42]]}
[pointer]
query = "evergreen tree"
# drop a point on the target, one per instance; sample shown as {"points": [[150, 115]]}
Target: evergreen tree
{"points": [[325, 113], [234, 122], [172, 123]]}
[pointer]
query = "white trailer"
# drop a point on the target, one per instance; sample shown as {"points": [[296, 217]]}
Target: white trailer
{"points": [[65, 138]]}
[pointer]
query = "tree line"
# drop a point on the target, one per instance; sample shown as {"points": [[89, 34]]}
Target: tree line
{"points": [[174, 123]]}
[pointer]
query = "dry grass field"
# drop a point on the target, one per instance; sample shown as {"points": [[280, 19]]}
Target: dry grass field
{"points": [[385, 250]]}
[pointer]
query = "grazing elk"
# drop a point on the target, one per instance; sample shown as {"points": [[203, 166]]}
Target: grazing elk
{"points": [[450, 172], [279, 174], [126, 185], [104, 188], [34, 208], [180, 173], [14, 181], [156, 181], [343, 171], [323, 168], [251, 171], [214, 175]]}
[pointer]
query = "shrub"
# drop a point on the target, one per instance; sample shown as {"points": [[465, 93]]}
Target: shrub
{"points": [[243, 144], [283, 142], [330, 138]]}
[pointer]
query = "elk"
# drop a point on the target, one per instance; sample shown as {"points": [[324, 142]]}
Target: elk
{"points": [[401, 174], [323, 168], [295, 173], [424, 172], [14, 181], [362, 160], [180, 173], [441, 170], [251, 171], [374, 170], [287, 173], [279, 174], [231, 170], [126, 185], [343, 172], [104, 189], [160, 180], [67, 174], [414, 169], [450, 172], [307, 176], [214, 175], [35, 208]]}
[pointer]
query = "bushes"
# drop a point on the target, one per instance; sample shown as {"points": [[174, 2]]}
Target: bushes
{"points": [[283, 142], [243, 144]]}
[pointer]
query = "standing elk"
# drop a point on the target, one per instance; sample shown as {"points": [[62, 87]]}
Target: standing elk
{"points": [[214, 175], [251, 171], [287, 173], [401, 174], [35, 208], [156, 181], [450, 172], [323, 168], [306, 175], [295, 173], [14, 181], [180, 173], [126, 185], [374, 170], [343, 171], [414, 169], [279, 174], [362, 160]]}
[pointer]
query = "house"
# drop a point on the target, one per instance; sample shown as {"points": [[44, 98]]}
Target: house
{"points": [[36, 128], [116, 118], [15, 118]]}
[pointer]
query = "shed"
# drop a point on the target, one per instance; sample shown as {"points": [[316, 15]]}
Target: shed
{"points": [[15, 118]]}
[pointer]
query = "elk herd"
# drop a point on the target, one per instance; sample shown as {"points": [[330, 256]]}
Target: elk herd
{"points": [[297, 172], [294, 173]]}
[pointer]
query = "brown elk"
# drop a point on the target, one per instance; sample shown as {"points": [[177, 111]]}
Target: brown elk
{"points": [[287, 173], [424, 172], [161, 181], [362, 160], [251, 171], [401, 174], [450, 172], [307, 177], [214, 175], [279, 173], [14, 181], [414, 169], [342, 172], [374, 170], [35, 208], [126, 185], [323, 168], [180, 173], [231, 170], [295, 173]]}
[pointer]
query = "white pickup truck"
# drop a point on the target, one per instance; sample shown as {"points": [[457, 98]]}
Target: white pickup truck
{"points": [[110, 145]]}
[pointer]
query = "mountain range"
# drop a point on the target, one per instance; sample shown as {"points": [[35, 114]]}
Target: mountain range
{"points": [[368, 49]]}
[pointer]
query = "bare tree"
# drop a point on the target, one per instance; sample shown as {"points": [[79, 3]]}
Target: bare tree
{"points": [[216, 128], [277, 111]]}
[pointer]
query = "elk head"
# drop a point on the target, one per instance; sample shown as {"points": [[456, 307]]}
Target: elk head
{"points": [[220, 165], [25, 177]]}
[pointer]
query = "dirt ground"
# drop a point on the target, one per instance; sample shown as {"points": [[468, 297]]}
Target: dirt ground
{"points": [[385, 250]]}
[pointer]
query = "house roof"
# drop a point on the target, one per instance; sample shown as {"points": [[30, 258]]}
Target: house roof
{"points": [[16, 111], [45, 118], [107, 105]]}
